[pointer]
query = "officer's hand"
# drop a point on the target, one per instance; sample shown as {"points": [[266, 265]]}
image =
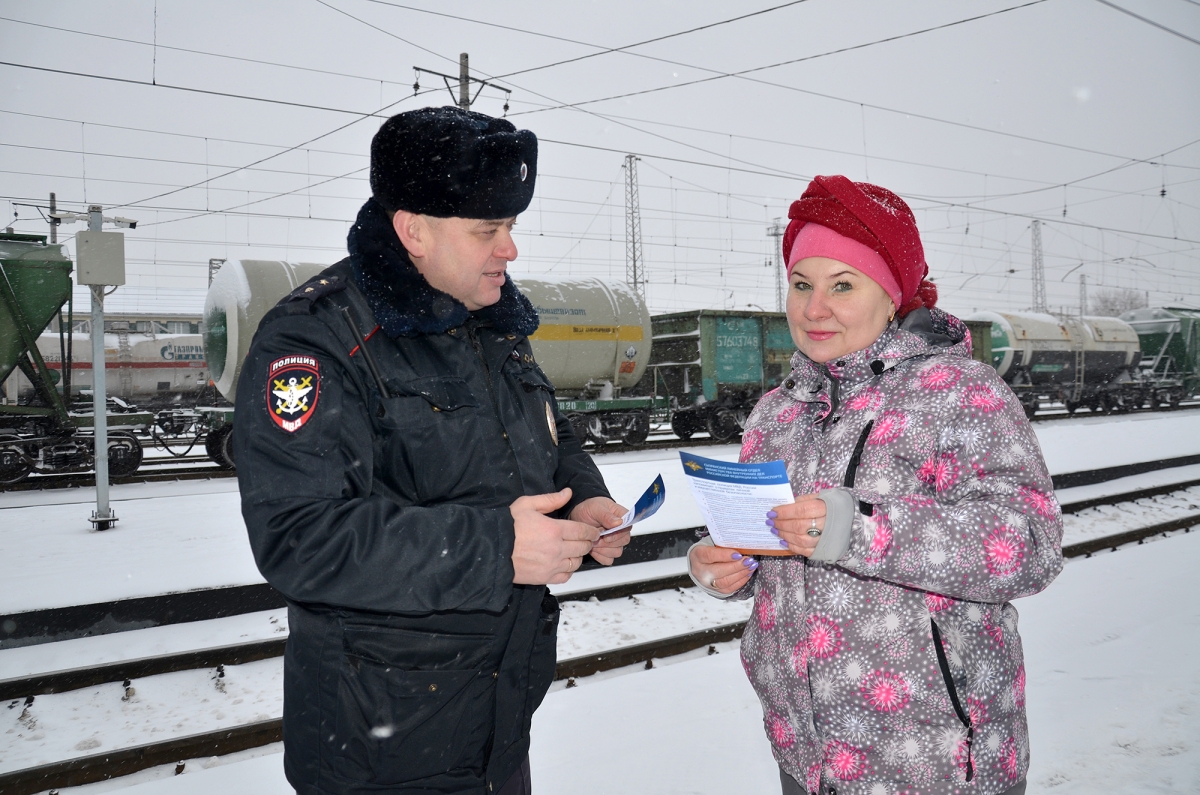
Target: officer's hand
{"points": [[547, 551], [602, 513]]}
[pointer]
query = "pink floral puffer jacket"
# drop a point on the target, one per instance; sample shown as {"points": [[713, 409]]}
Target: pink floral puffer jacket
{"points": [[898, 668]]}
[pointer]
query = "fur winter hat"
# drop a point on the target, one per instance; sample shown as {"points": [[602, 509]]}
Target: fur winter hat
{"points": [[449, 162], [876, 218]]}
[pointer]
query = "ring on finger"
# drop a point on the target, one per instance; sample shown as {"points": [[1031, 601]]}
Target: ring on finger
{"points": [[813, 531]]}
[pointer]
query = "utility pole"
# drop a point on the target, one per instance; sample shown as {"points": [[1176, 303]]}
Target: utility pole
{"points": [[214, 265], [1083, 306], [464, 81], [100, 263], [463, 98], [1039, 273], [775, 230], [635, 267]]}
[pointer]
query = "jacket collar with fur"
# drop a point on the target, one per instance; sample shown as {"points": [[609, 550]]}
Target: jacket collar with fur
{"points": [[404, 303]]}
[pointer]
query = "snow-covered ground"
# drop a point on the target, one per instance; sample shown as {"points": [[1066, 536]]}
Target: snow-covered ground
{"points": [[1114, 703], [188, 535]]}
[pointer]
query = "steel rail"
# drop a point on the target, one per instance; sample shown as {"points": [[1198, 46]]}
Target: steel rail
{"points": [[237, 654], [82, 620], [121, 762]]}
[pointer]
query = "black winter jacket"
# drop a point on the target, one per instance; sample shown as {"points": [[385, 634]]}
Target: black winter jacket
{"points": [[414, 664]]}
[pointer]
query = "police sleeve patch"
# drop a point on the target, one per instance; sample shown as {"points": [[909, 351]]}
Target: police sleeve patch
{"points": [[293, 385]]}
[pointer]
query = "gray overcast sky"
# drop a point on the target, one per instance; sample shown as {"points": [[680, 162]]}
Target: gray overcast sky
{"points": [[1050, 106]]}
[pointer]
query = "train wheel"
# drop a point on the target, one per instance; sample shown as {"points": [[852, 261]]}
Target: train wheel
{"points": [[219, 446], [682, 425], [723, 425], [1030, 407], [14, 465], [637, 428], [1072, 406], [124, 454]]}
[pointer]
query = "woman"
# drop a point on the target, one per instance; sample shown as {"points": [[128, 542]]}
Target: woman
{"points": [[884, 650]]}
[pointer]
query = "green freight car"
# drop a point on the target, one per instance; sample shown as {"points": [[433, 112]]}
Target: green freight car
{"points": [[42, 434], [1170, 340], [715, 365]]}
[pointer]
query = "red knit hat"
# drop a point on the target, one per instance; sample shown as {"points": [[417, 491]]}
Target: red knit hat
{"points": [[875, 217]]}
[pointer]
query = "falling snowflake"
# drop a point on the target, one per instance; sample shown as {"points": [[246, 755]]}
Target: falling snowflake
{"points": [[885, 691]]}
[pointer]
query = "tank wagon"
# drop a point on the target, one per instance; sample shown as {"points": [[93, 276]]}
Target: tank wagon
{"points": [[1088, 362], [154, 370], [42, 433], [1170, 340], [593, 343]]}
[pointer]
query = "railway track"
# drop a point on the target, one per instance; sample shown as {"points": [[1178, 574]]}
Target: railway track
{"points": [[101, 618], [199, 467], [122, 762]]}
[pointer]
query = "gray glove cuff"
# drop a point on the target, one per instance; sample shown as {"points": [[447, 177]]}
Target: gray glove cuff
{"points": [[840, 513], [704, 542]]}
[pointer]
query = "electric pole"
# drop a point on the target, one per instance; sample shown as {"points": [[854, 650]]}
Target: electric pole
{"points": [[1083, 307], [464, 81], [463, 98], [775, 230], [100, 263], [635, 268], [1039, 273]]}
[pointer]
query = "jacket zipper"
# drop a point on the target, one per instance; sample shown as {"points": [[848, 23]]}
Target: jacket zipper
{"points": [[944, 665], [865, 508]]}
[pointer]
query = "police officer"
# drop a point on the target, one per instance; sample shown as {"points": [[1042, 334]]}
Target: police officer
{"points": [[408, 482]]}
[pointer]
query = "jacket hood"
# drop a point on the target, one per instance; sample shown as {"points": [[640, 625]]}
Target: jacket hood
{"points": [[404, 303], [922, 332]]}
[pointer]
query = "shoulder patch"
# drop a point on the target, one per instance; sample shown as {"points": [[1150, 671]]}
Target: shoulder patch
{"points": [[317, 288], [293, 386]]}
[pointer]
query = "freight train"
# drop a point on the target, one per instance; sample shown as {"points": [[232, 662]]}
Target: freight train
{"points": [[616, 369], [593, 343], [155, 371]]}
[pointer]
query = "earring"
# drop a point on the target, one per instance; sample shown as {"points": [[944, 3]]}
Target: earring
{"points": [[892, 316]]}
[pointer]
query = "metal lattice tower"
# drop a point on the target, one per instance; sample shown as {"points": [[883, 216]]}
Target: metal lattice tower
{"points": [[1039, 272], [635, 267], [775, 230]]}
